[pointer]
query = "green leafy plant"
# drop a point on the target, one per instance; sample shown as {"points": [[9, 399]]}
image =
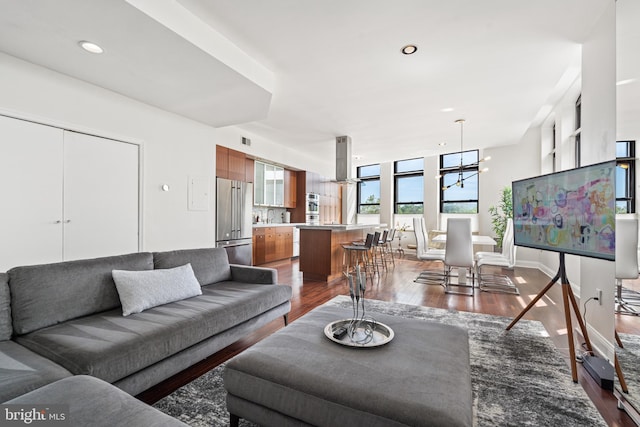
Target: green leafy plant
{"points": [[500, 214]]}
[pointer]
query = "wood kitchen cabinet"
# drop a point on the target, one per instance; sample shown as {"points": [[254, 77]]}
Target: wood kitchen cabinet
{"points": [[222, 162], [290, 187], [330, 197], [288, 242], [230, 164], [236, 165], [272, 244], [258, 246], [284, 242], [248, 169]]}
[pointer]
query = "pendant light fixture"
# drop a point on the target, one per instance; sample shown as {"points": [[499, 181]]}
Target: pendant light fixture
{"points": [[461, 177]]}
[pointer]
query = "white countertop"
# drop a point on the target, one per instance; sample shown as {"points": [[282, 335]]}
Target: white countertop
{"points": [[277, 224], [340, 227]]}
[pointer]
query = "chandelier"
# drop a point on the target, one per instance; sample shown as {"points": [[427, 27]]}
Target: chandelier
{"points": [[461, 177]]}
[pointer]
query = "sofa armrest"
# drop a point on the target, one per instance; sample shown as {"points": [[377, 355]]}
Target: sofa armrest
{"points": [[250, 274]]}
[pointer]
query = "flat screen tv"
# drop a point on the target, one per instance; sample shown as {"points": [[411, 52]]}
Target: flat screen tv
{"points": [[571, 211]]}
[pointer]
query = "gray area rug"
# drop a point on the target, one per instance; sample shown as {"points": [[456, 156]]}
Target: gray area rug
{"points": [[629, 358], [518, 376]]}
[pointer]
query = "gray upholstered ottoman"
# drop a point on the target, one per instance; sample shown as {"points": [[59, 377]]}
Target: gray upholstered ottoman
{"points": [[298, 376]]}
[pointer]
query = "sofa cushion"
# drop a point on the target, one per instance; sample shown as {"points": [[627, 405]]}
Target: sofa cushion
{"points": [[210, 265], [43, 295], [6, 330], [21, 370], [250, 274], [141, 290], [95, 403], [110, 346]]}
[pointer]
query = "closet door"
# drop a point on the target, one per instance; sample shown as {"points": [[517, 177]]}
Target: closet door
{"points": [[100, 196], [30, 193]]}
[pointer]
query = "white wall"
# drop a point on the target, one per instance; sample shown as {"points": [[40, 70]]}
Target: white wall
{"points": [[173, 147], [431, 193], [319, 160], [598, 145], [627, 95], [507, 164], [386, 194]]}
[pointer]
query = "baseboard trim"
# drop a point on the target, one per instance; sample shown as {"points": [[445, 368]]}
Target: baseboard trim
{"points": [[601, 346]]}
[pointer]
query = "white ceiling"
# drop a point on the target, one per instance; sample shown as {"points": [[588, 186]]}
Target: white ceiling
{"points": [[628, 69], [301, 72]]}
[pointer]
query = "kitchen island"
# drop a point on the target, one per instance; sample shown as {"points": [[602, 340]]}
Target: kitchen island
{"points": [[321, 252]]}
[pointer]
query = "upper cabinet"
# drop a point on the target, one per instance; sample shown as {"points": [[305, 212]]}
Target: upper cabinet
{"points": [[290, 188], [222, 162], [232, 164], [268, 184], [272, 185]]}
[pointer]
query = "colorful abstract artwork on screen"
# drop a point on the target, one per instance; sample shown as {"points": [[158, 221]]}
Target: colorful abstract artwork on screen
{"points": [[571, 211]]}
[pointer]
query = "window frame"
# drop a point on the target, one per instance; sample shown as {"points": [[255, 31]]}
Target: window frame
{"points": [[397, 176], [473, 168], [577, 153], [554, 148], [364, 180], [630, 160]]}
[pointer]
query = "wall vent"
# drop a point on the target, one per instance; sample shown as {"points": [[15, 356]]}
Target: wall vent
{"points": [[246, 141]]}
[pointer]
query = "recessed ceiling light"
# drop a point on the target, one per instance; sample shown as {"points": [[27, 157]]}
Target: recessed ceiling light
{"points": [[625, 82], [90, 47], [447, 110], [409, 49]]}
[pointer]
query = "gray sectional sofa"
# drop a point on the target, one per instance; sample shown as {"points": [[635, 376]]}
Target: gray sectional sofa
{"points": [[66, 319]]}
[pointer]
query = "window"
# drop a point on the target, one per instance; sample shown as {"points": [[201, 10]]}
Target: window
{"points": [[577, 147], [409, 186], [369, 189], [625, 177], [553, 150], [459, 182]]}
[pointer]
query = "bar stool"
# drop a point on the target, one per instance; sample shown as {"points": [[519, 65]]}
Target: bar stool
{"points": [[383, 249], [377, 260], [358, 255], [388, 247]]}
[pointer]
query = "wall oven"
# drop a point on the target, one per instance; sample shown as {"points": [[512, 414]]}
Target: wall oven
{"points": [[313, 209]]}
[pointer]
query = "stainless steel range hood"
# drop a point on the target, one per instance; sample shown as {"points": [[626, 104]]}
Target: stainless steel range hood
{"points": [[343, 160]]}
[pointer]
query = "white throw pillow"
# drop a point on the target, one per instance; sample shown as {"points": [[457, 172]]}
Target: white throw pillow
{"points": [[141, 290]]}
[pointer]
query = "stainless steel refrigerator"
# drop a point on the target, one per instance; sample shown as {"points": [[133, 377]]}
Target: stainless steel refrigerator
{"points": [[234, 202]]}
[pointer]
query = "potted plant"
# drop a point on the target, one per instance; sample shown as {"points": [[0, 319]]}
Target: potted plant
{"points": [[500, 214]]}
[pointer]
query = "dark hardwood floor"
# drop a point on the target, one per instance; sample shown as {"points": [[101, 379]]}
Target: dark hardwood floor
{"points": [[397, 285]]}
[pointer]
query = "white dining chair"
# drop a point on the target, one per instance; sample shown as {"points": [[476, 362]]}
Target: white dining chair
{"points": [[459, 254], [626, 261], [423, 253], [493, 282]]}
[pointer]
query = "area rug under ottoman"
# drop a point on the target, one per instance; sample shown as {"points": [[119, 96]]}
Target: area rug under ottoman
{"points": [[518, 377]]}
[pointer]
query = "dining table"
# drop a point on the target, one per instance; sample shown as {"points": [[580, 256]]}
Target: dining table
{"points": [[476, 240]]}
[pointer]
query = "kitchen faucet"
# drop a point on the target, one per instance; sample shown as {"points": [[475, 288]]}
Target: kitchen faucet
{"points": [[270, 215]]}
